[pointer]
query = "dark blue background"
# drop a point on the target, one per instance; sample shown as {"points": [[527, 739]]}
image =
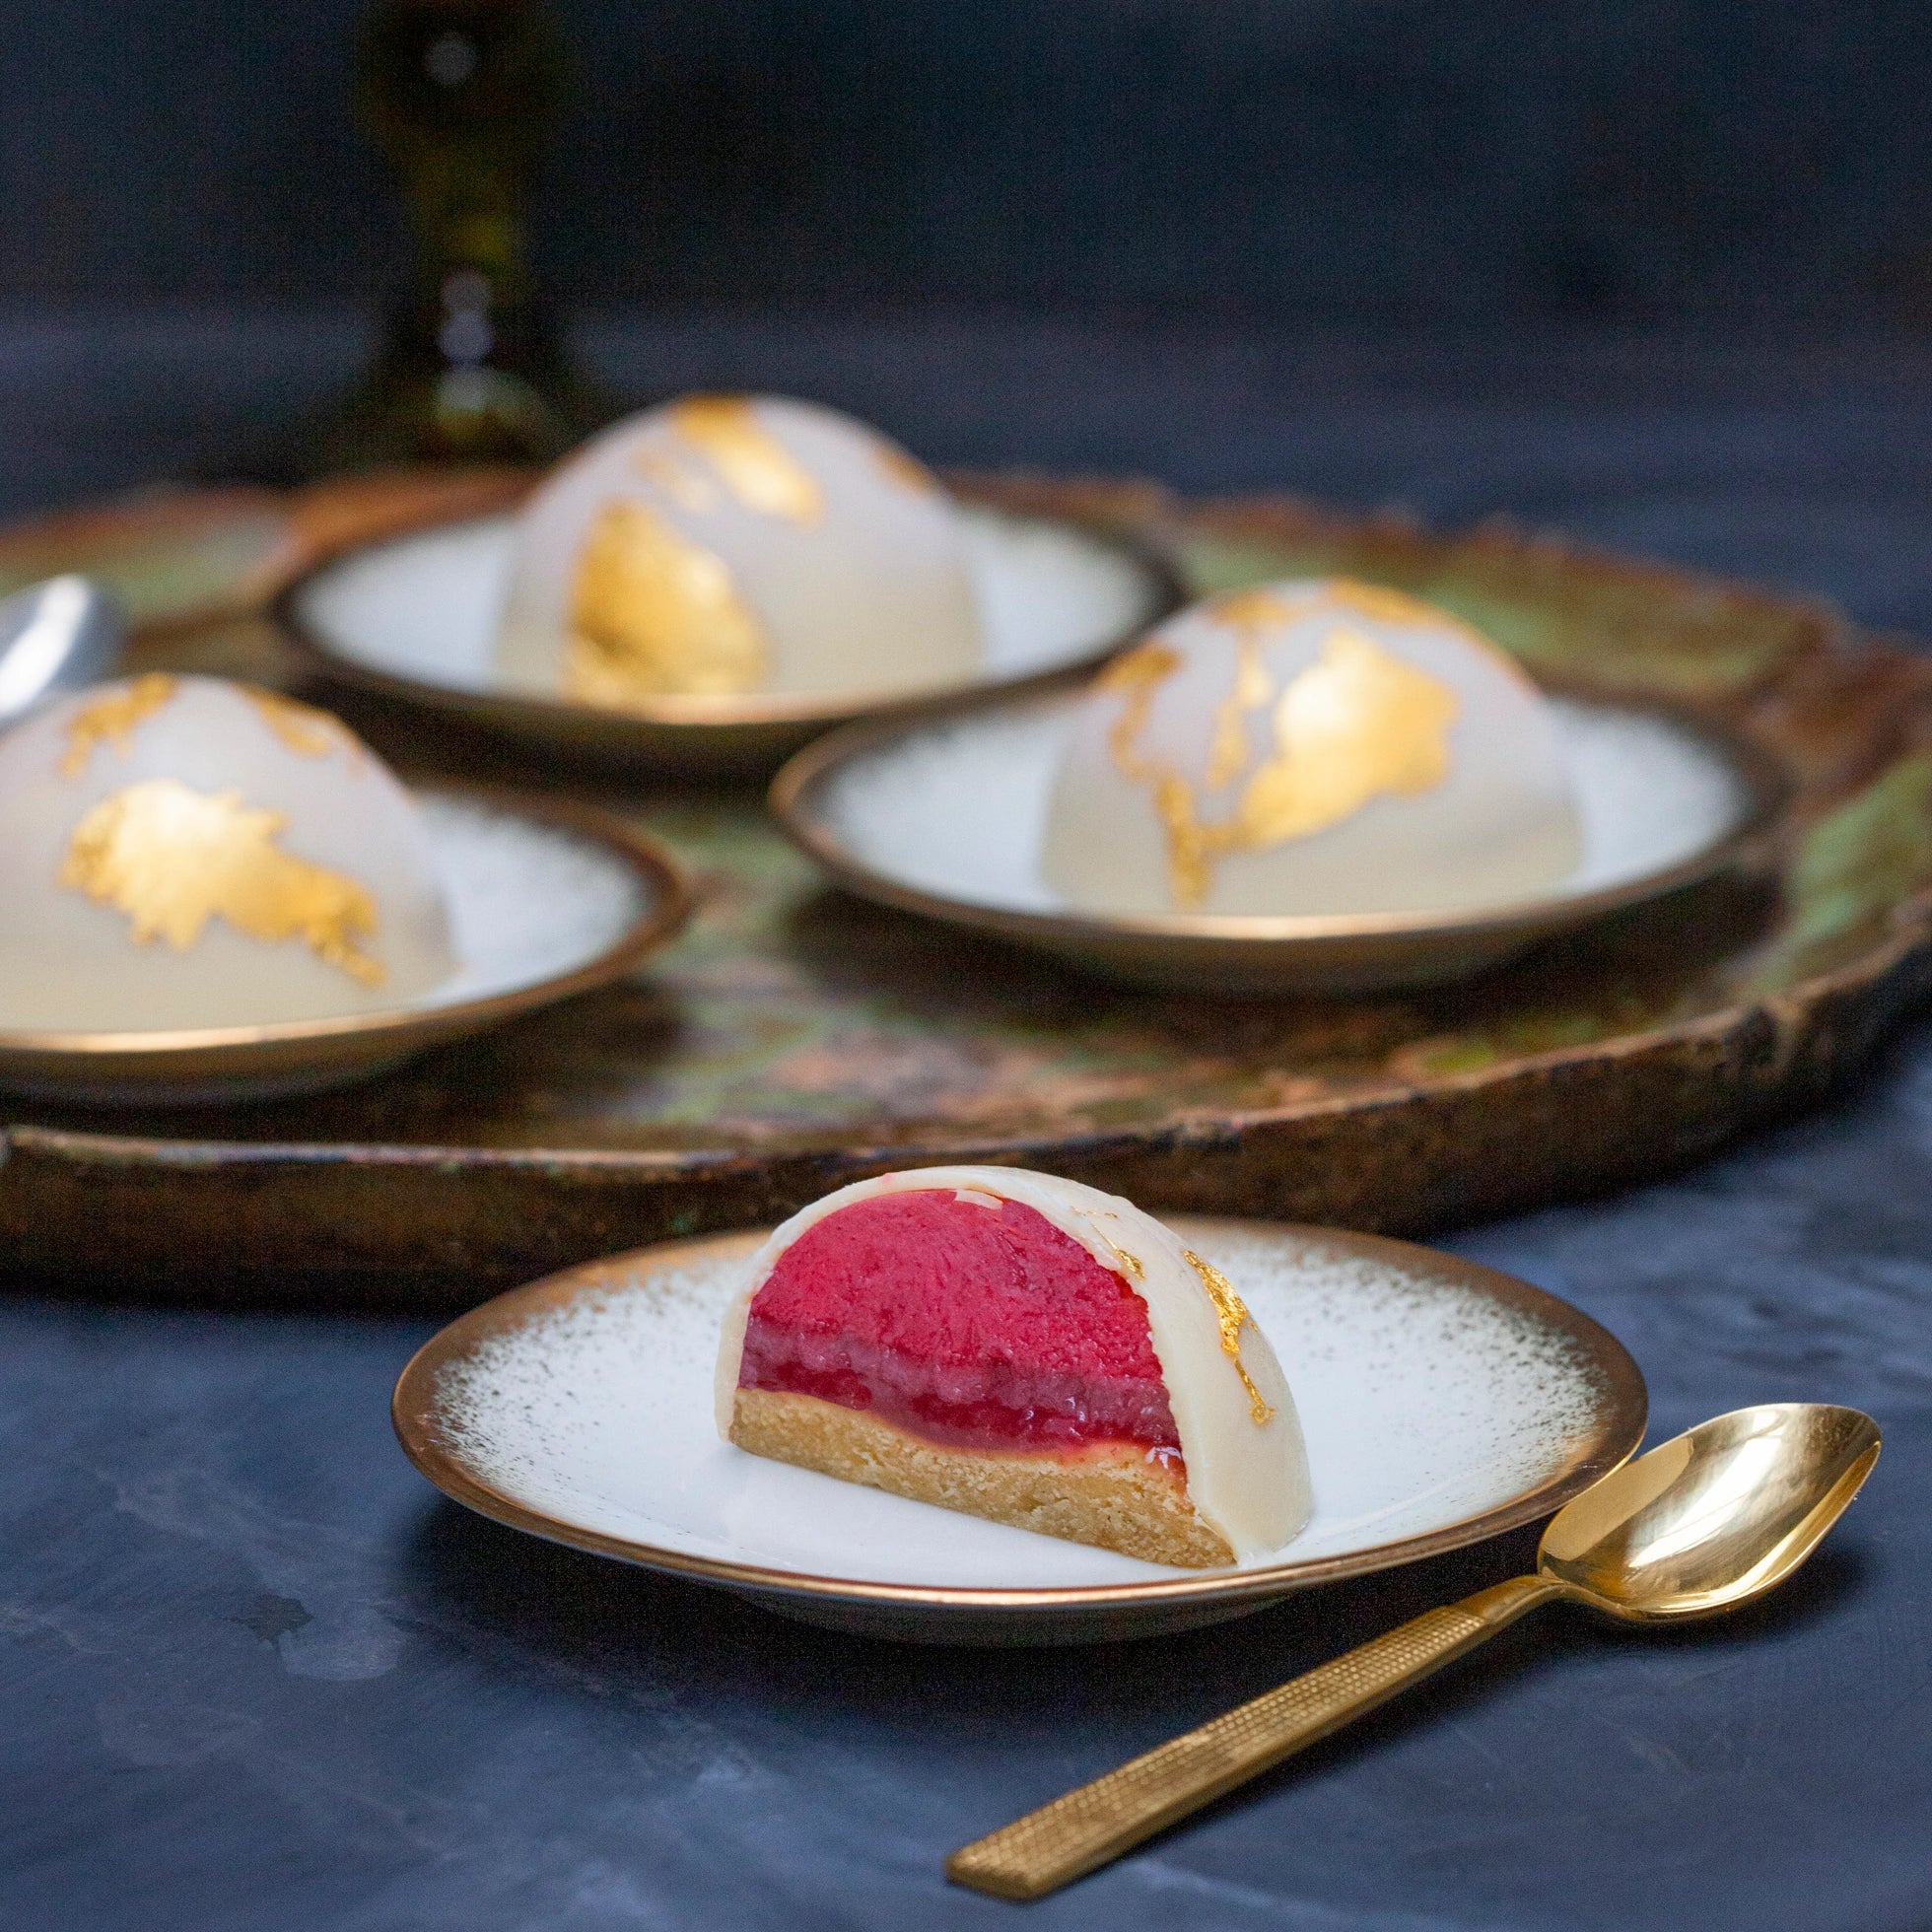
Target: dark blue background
{"points": [[253, 1674], [1376, 160]]}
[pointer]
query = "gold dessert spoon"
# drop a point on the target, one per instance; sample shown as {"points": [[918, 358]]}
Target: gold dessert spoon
{"points": [[1704, 1523]]}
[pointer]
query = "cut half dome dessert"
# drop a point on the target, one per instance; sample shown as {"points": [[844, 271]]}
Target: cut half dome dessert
{"points": [[1023, 1348]]}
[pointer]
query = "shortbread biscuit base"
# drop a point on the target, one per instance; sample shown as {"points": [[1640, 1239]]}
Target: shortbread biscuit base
{"points": [[1111, 1494]]}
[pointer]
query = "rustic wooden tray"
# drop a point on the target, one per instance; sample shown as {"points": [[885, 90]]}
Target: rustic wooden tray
{"points": [[797, 1038]]}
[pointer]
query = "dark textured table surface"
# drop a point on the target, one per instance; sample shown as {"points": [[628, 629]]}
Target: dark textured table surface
{"points": [[253, 1673]]}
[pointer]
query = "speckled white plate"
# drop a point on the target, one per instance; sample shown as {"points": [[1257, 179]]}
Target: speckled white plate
{"points": [[1442, 1403], [546, 900], [946, 817], [416, 617]]}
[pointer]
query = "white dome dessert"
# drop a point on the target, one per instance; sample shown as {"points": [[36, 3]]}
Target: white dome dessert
{"points": [[721, 546], [1312, 747], [183, 852], [970, 1358]]}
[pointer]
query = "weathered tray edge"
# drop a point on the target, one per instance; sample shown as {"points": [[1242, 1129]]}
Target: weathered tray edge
{"points": [[430, 1227]]}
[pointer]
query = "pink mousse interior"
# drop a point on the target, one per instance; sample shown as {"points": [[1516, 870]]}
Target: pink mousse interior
{"points": [[973, 1326]]}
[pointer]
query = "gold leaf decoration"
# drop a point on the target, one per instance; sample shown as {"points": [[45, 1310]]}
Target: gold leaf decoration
{"points": [[302, 728], [900, 467], [688, 488], [1357, 723], [1136, 677], [171, 858], [1248, 613], [753, 464], [1231, 1312], [655, 614], [112, 716]]}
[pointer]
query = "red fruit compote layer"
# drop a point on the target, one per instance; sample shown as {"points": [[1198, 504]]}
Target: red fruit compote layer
{"points": [[972, 1323]]}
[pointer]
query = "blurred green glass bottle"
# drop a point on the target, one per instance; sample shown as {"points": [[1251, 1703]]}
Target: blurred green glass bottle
{"points": [[470, 368]]}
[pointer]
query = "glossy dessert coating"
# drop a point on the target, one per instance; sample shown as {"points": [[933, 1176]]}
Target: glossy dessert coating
{"points": [[965, 1320], [722, 549], [1022, 1347], [180, 851], [1311, 747]]}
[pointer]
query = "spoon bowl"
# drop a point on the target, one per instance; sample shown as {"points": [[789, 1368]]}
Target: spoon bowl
{"points": [[56, 636], [1713, 1517]]}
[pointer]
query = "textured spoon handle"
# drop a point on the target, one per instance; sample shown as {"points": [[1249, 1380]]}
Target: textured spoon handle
{"points": [[1074, 1834]]}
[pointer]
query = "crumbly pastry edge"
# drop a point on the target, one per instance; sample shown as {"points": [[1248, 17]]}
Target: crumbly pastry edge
{"points": [[1112, 1496]]}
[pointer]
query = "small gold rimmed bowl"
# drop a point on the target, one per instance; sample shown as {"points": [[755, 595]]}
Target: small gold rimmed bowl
{"points": [[945, 816], [415, 618], [546, 900], [1441, 1402]]}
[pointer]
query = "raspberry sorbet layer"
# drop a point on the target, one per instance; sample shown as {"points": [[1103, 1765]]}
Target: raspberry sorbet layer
{"points": [[971, 1323]]}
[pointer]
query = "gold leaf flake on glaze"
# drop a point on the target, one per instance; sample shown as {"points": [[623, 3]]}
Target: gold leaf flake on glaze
{"points": [[302, 728], [1357, 724], [1136, 677], [1249, 613], [653, 615], [1232, 1315], [171, 858], [1253, 687], [113, 715], [686, 488], [753, 464], [1391, 606], [1130, 1263], [898, 466]]}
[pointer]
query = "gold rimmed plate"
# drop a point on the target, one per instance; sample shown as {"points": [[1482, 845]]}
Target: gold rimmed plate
{"points": [[1443, 1402], [415, 618], [546, 900], [945, 816]]}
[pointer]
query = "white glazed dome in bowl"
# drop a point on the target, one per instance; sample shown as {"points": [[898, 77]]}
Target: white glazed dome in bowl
{"points": [[1306, 747], [721, 547], [187, 853]]}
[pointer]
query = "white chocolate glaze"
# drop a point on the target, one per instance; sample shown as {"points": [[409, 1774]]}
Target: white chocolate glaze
{"points": [[1307, 748], [1248, 1478], [183, 852], [855, 579]]}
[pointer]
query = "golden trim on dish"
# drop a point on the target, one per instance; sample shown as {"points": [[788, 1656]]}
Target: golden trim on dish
{"points": [[734, 731], [289, 1054], [429, 1426]]}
